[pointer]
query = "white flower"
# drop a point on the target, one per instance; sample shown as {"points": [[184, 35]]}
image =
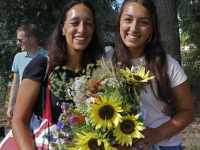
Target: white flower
{"points": [[89, 101], [111, 82], [77, 90], [87, 120], [71, 93]]}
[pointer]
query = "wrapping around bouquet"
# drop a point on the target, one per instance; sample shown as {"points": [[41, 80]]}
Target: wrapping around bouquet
{"points": [[143, 114]]}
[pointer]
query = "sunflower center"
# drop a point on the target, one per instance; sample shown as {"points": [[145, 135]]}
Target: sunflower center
{"points": [[127, 127], [106, 112], [137, 77], [93, 145]]}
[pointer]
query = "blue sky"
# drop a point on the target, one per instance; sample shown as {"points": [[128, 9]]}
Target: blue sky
{"points": [[120, 1]]}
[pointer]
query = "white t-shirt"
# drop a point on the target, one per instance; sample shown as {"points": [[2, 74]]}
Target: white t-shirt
{"points": [[154, 107]]}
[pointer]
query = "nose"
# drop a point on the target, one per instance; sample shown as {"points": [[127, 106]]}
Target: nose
{"points": [[134, 26], [18, 42], [81, 28]]}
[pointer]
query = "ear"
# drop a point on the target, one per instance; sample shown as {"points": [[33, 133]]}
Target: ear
{"points": [[62, 30], [32, 39]]}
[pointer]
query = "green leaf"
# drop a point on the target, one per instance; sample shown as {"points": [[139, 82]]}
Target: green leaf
{"points": [[136, 96], [104, 125]]}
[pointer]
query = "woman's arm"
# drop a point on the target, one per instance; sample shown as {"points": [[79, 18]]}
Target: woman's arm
{"points": [[25, 102], [185, 115]]}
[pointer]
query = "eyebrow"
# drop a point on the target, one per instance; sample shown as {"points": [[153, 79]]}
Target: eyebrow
{"points": [[140, 17], [79, 18]]}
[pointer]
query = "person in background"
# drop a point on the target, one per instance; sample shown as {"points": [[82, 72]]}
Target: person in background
{"points": [[27, 40], [73, 44], [138, 44]]}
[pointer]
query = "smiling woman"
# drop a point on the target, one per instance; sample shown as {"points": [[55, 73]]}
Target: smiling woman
{"points": [[135, 28], [72, 45], [138, 44], [78, 28]]}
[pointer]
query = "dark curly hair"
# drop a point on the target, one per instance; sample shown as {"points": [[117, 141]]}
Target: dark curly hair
{"points": [[154, 53], [57, 44]]}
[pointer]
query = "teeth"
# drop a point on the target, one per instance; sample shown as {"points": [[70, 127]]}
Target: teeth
{"points": [[80, 38], [133, 37]]}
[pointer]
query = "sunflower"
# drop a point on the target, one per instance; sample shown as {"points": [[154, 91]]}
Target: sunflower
{"points": [[126, 106], [128, 129], [105, 112], [136, 74], [89, 141]]}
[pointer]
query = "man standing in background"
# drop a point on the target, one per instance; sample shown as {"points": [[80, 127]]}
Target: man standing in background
{"points": [[27, 40]]}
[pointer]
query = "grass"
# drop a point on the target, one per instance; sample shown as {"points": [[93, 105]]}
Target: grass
{"points": [[194, 147]]}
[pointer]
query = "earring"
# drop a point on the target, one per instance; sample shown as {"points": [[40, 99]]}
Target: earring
{"points": [[63, 32], [149, 38]]}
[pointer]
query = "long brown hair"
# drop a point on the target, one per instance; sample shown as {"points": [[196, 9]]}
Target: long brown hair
{"points": [[57, 44], [156, 60]]}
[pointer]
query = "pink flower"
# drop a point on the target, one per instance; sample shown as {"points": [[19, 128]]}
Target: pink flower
{"points": [[67, 142], [64, 111], [74, 119]]}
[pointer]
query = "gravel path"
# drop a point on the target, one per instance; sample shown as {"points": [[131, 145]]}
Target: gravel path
{"points": [[190, 136]]}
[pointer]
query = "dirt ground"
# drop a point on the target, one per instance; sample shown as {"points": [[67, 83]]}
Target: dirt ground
{"points": [[190, 136]]}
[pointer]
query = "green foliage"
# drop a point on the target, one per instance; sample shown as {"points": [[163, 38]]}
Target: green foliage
{"points": [[189, 21], [192, 68], [183, 39], [4, 96], [194, 147], [105, 17]]}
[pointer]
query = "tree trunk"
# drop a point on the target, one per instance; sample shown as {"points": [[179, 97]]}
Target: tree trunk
{"points": [[168, 26]]}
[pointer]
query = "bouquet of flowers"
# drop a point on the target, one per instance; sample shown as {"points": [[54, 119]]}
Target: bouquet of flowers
{"points": [[106, 109]]}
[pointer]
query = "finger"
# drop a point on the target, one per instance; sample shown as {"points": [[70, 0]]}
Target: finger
{"points": [[120, 147], [129, 148], [139, 143], [146, 147], [135, 140], [163, 110], [166, 108], [167, 114], [168, 111], [10, 114]]}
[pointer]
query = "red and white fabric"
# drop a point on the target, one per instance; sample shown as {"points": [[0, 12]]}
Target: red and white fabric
{"points": [[42, 128]]}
